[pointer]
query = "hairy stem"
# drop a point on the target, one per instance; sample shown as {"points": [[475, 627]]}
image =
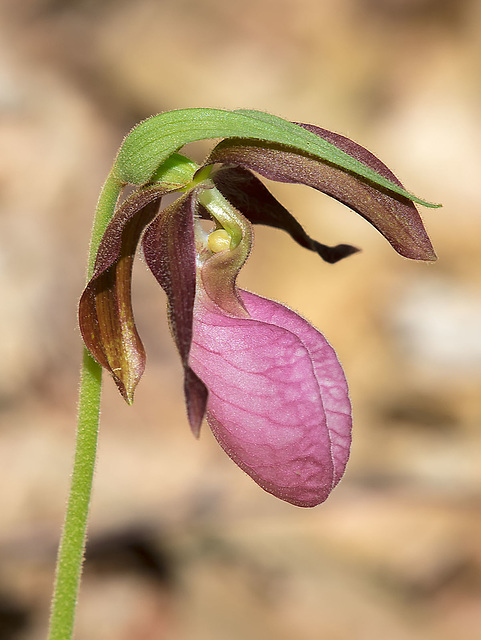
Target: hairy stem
{"points": [[72, 544]]}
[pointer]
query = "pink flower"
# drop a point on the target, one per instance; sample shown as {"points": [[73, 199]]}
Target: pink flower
{"points": [[270, 385]]}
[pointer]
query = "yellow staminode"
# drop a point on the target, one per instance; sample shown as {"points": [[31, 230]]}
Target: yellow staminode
{"points": [[219, 240]]}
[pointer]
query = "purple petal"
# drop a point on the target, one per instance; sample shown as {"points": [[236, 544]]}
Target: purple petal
{"points": [[394, 216], [248, 194], [169, 250], [278, 401]]}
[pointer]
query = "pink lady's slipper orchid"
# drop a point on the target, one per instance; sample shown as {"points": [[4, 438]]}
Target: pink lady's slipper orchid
{"points": [[270, 385]]}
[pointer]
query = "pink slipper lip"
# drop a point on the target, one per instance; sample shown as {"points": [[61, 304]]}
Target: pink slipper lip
{"points": [[278, 402]]}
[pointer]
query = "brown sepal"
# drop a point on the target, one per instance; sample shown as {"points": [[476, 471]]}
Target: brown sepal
{"points": [[394, 216], [105, 310]]}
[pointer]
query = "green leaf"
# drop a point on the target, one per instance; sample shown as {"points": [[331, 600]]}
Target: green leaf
{"points": [[151, 142]]}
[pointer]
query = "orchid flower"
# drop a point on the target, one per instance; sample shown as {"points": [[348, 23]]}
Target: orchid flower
{"points": [[270, 385]]}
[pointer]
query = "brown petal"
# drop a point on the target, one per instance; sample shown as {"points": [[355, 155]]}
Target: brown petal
{"points": [[169, 250], [394, 216], [105, 310], [248, 194]]}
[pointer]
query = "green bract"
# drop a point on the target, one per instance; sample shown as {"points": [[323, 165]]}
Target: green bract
{"points": [[151, 142]]}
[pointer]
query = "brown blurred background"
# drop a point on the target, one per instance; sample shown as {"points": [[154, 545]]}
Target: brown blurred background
{"points": [[183, 545]]}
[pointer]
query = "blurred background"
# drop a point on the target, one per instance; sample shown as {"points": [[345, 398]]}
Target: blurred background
{"points": [[183, 545]]}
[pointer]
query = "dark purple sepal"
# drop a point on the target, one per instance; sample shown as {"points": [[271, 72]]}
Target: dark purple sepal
{"points": [[105, 310], [169, 250], [248, 194], [394, 216]]}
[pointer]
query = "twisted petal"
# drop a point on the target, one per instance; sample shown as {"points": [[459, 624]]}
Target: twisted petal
{"points": [[248, 194], [105, 310], [169, 250], [393, 215], [278, 401]]}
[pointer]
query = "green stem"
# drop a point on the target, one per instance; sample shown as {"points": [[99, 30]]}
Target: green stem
{"points": [[71, 551], [72, 544]]}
